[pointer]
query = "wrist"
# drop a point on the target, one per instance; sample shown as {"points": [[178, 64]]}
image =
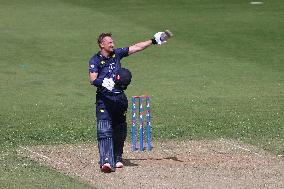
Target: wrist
{"points": [[97, 82], [154, 42]]}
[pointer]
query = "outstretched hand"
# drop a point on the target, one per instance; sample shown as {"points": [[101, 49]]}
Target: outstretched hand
{"points": [[162, 37], [157, 37]]}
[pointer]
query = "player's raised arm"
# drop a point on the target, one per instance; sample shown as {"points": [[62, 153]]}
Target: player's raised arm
{"points": [[159, 38], [139, 46]]}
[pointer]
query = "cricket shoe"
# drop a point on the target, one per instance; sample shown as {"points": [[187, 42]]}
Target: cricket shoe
{"points": [[106, 168], [119, 164]]}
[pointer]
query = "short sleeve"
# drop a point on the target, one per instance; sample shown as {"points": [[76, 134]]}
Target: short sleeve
{"points": [[93, 66], [122, 52]]}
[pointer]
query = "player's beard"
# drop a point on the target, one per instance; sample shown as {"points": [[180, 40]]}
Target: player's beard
{"points": [[106, 51], [110, 49]]}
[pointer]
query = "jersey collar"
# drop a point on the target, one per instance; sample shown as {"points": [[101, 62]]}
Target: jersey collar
{"points": [[103, 57]]}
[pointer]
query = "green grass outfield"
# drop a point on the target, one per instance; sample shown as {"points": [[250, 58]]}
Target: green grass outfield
{"points": [[221, 76]]}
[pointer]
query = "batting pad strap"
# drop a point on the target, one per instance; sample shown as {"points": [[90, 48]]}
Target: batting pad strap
{"points": [[97, 82], [104, 129]]}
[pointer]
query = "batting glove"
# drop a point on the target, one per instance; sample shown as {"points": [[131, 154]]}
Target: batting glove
{"points": [[108, 83], [158, 38], [162, 37]]}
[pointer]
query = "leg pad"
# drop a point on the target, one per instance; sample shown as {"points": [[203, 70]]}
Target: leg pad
{"points": [[105, 142], [119, 136]]}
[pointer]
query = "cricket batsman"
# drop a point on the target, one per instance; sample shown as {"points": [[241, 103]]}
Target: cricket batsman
{"points": [[111, 80]]}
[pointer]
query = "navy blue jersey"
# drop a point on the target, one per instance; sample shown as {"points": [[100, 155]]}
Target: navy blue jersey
{"points": [[106, 67]]}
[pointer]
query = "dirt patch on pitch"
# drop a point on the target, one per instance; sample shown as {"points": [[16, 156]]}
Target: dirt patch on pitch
{"points": [[173, 164]]}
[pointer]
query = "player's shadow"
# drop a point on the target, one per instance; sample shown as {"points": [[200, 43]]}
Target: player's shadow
{"points": [[173, 158], [127, 162]]}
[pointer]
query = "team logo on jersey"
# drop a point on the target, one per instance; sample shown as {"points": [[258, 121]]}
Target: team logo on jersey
{"points": [[102, 62], [111, 66]]}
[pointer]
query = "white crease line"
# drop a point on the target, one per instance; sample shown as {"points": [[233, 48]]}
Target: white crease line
{"points": [[236, 146], [256, 2], [43, 156]]}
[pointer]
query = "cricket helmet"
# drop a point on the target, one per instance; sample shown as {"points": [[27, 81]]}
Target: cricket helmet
{"points": [[122, 78]]}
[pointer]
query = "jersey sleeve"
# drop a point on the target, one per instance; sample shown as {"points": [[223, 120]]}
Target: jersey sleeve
{"points": [[93, 66], [122, 52]]}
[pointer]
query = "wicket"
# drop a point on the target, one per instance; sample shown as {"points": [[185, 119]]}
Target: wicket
{"points": [[141, 129]]}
